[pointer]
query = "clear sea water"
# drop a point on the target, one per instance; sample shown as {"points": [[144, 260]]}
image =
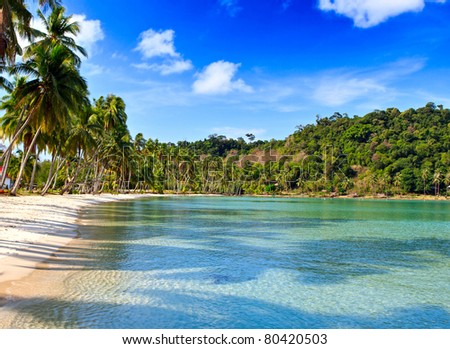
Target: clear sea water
{"points": [[219, 262]]}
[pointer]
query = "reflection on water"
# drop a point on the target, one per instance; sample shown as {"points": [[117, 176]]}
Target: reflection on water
{"points": [[209, 262]]}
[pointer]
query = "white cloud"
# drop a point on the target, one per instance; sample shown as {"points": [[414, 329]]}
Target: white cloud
{"points": [[160, 45], [336, 88], [337, 91], [90, 33], [173, 67], [368, 13], [157, 44], [218, 78], [231, 6], [90, 69], [119, 56]]}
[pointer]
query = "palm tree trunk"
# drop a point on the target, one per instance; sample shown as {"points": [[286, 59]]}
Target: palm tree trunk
{"points": [[33, 174], [53, 178], [5, 168], [18, 132], [86, 179], [89, 165], [24, 163], [50, 174], [71, 180], [97, 180]]}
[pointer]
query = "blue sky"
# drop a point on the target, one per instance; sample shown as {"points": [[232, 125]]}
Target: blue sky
{"points": [[190, 68]]}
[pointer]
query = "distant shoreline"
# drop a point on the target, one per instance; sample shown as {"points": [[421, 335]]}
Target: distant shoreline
{"points": [[411, 197], [368, 197]]}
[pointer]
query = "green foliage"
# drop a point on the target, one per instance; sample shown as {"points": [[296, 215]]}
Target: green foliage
{"points": [[382, 153], [410, 146]]}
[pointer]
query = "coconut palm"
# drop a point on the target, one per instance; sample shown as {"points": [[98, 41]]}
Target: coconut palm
{"points": [[10, 123], [59, 30], [12, 13], [111, 110], [437, 178], [56, 90], [15, 19], [425, 173], [447, 182], [56, 147], [82, 143], [115, 145]]}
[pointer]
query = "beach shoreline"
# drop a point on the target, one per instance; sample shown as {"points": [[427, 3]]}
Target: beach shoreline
{"points": [[33, 228]]}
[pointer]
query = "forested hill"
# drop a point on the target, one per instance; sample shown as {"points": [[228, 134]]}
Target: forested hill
{"points": [[385, 152], [388, 151]]}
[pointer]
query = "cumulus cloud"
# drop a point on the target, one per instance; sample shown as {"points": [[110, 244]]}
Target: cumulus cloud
{"points": [[90, 33], [157, 43], [218, 78], [160, 45], [368, 13]]}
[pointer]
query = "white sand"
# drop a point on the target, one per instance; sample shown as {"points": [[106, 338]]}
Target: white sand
{"points": [[32, 228]]}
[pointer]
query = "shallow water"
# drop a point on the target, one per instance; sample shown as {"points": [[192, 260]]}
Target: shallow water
{"points": [[215, 262]]}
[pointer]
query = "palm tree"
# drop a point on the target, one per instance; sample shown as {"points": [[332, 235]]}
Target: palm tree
{"points": [[82, 144], [12, 13], [15, 19], [111, 110], [11, 123], [447, 182], [115, 145], [398, 182], [437, 177], [425, 173], [55, 148], [56, 90], [59, 30]]}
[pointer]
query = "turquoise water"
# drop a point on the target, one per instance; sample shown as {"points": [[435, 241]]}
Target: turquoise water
{"points": [[215, 262]]}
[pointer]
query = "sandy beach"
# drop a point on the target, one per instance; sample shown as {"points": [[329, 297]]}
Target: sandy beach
{"points": [[33, 228]]}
